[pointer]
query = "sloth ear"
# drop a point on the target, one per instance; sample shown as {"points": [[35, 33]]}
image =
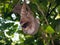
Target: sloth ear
{"points": [[17, 8]]}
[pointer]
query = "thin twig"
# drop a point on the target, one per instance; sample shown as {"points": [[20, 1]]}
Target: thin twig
{"points": [[42, 14], [51, 39], [48, 14], [53, 9]]}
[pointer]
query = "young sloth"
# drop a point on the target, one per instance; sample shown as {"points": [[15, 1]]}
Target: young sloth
{"points": [[28, 22]]}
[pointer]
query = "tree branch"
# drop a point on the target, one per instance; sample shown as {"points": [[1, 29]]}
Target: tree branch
{"points": [[42, 14]]}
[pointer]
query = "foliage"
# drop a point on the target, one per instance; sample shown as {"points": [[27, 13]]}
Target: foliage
{"points": [[48, 12]]}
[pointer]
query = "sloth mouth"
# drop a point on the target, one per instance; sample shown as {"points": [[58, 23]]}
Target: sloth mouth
{"points": [[25, 24]]}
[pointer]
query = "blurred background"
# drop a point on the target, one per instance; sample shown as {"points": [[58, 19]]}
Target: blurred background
{"points": [[47, 11]]}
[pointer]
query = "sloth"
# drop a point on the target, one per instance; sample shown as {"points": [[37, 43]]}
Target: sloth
{"points": [[29, 24]]}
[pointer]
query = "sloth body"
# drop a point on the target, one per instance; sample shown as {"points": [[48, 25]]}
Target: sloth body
{"points": [[29, 24]]}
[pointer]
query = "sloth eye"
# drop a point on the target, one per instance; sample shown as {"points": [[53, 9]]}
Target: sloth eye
{"points": [[25, 24]]}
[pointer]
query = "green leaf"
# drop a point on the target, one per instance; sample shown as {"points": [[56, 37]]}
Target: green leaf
{"points": [[6, 5], [49, 30]]}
